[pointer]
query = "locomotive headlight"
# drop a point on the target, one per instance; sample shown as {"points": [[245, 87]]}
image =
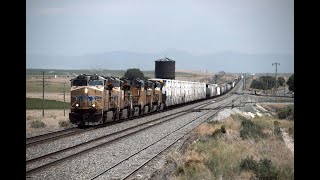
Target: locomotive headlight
{"points": [[86, 90], [93, 105], [77, 105]]}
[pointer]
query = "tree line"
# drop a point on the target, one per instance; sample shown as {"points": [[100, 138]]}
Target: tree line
{"points": [[269, 82]]}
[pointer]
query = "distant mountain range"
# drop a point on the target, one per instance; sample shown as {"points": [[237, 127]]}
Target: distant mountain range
{"points": [[122, 60]]}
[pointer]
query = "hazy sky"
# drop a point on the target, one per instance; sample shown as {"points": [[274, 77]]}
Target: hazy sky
{"points": [[77, 27]]}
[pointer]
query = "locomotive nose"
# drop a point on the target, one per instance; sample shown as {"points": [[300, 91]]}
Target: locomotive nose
{"points": [[86, 98]]}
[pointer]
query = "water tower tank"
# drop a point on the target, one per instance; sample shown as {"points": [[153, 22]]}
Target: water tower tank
{"points": [[165, 68]]}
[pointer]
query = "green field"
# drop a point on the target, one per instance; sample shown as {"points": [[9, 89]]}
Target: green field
{"points": [[35, 103]]}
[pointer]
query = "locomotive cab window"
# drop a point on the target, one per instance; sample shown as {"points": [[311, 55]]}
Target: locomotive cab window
{"points": [[95, 83], [79, 82]]}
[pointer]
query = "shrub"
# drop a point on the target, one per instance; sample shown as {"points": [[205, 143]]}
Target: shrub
{"points": [[290, 83], [218, 132], [277, 132], [213, 164], [264, 82], [264, 169], [37, 124], [251, 130], [179, 170], [223, 129], [290, 131], [286, 112], [64, 124], [248, 164]]}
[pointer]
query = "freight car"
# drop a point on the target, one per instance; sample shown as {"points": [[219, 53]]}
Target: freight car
{"points": [[99, 99]]}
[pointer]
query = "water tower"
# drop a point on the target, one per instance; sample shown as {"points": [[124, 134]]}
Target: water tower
{"points": [[165, 68]]}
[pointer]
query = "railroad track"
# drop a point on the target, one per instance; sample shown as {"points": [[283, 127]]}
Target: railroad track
{"points": [[61, 134], [136, 167], [51, 159], [50, 136]]}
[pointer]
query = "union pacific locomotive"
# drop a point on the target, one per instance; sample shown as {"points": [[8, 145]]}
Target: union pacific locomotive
{"points": [[98, 99]]}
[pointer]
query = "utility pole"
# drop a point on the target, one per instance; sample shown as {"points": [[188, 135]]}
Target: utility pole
{"points": [[64, 98], [244, 82], [206, 77], [43, 94], [119, 99], [252, 79], [275, 89], [267, 83]]}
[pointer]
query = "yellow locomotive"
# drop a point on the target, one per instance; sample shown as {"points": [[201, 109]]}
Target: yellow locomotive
{"points": [[98, 99], [88, 103]]}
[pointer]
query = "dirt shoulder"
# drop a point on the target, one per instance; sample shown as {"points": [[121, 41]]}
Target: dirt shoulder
{"points": [[51, 120]]}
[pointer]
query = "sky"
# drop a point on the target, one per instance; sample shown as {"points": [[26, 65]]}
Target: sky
{"points": [[198, 27]]}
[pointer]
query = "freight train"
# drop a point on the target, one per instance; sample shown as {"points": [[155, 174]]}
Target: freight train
{"points": [[99, 99]]}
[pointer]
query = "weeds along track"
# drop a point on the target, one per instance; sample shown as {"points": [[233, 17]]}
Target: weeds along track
{"points": [[74, 131], [51, 159]]}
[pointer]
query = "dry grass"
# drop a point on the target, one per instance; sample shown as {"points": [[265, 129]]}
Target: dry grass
{"points": [[204, 130], [265, 122], [273, 107], [193, 156], [53, 91], [275, 150], [277, 106], [213, 158], [54, 85], [49, 95], [53, 88], [37, 124], [268, 124], [65, 124], [51, 120]]}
